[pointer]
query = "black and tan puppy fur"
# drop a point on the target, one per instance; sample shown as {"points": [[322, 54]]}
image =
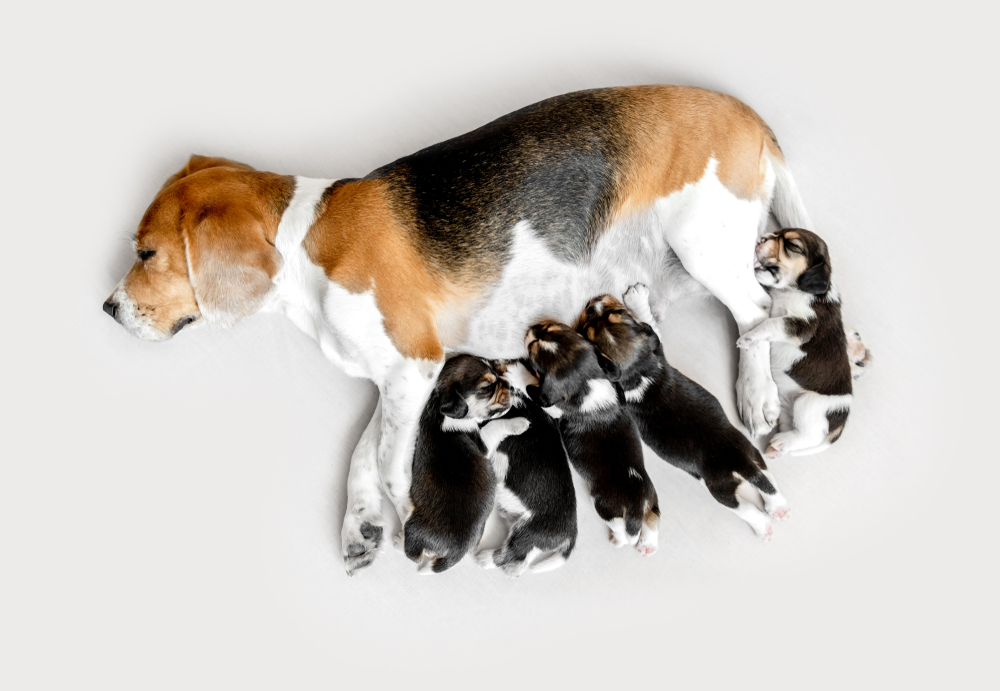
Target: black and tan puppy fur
{"points": [[600, 437], [682, 422], [535, 492], [453, 483], [810, 361]]}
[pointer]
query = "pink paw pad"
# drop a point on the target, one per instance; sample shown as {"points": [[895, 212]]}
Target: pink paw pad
{"points": [[646, 550], [783, 513], [768, 534]]}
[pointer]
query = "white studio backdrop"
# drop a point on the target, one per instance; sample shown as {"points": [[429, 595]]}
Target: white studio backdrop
{"points": [[170, 513]]}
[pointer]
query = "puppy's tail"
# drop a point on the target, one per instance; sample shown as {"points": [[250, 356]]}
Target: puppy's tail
{"points": [[786, 204]]}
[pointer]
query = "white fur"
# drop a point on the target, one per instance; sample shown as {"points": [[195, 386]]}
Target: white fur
{"points": [[810, 425], [451, 424], [632, 472], [602, 395], [635, 395]]}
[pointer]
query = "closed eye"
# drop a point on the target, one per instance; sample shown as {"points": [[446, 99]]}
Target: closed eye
{"points": [[792, 247], [145, 254]]}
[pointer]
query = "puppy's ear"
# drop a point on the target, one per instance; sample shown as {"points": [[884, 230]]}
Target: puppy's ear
{"points": [[612, 370], [815, 279], [654, 340], [453, 405], [548, 393]]}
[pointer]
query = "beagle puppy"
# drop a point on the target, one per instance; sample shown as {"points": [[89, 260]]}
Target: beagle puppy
{"points": [[535, 492], [682, 422], [600, 437], [460, 247], [453, 484], [809, 347]]}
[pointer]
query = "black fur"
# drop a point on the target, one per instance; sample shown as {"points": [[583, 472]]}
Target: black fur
{"points": [[603, 445], [552, 163], [538, 474], [453, 483], [682, 422]]}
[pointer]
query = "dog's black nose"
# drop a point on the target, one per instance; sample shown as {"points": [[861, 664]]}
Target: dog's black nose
{"points": [[111, 308]]}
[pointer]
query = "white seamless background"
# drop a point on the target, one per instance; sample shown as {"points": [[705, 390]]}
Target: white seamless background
{"points": [[170, 513]]}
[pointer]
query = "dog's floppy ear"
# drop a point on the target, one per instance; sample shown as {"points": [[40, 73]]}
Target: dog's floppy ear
{"points": [[547, 392], [815, 279], [612, 370], [230, 262], [196, 163], [453, 405]]}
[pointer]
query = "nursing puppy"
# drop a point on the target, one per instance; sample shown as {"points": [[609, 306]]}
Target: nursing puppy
{"points": [[681, 421], [600, 437], [535, 492], [453, 486], [810, 362]]}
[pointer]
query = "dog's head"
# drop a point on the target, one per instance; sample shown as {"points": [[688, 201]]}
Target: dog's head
{"points": [[621, 337], [471, 388], [566, 364], [793, 258], [204, 249]]}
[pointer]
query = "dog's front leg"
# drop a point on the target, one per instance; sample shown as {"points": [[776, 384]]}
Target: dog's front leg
{"points": [[361, 534], [403, 395]]}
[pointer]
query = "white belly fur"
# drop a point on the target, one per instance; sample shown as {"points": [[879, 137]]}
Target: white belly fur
{"points": [[536, 285]]}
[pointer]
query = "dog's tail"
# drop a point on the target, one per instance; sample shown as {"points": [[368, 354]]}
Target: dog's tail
{"points": [[786, 204]]}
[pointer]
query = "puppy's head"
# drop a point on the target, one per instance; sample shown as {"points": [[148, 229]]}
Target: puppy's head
{"points": [[471, 388], [204, 250], [565, 363], [793, 258], [621, 337]]}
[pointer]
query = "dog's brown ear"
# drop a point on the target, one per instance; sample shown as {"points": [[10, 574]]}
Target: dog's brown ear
{"points": [[230, 263], [196, 163], [815, 279]]}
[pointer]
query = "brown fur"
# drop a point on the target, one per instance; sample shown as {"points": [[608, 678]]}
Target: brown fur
{"points": [[362, 245]]}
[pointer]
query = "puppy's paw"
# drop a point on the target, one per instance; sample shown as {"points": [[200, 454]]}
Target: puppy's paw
{"points": [[782, 514], [645, 550], [399, 541], [775, 448], [636, 300], [518, 425], [485, 558], [749, 340], [360, 538], [767, 534]]}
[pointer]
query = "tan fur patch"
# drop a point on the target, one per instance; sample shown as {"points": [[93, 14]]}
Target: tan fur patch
{"points": [[677, 129], [362, 245]]}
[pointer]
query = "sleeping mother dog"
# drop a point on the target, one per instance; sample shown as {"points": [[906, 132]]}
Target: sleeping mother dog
{"points": [[462, 246]]}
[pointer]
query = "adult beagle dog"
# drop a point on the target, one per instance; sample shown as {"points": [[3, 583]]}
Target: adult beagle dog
{"points": [[465, 244]]}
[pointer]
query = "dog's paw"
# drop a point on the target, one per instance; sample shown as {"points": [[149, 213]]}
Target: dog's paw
{"points": [[775, 448], [360, 538], [636, 300], [782, 514], [485, 558], [748, 341], [767, 534], [645, 550], [759, 407]]}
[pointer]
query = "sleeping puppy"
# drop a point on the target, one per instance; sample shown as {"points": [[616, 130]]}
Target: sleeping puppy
{"points": [[453, 486], [682, 422], [535, 492], [809, 348], [600, 437]]}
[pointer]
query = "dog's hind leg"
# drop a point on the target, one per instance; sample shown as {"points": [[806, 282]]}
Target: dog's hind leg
{"points": [[726, 490]]}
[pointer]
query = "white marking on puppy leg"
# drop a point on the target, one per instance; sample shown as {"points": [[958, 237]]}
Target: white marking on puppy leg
{"points": [[635, 395], [496, 431], [486, 558], [757, 519], [602, 395], [775, 504], [617, 535], [648, 540]]}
